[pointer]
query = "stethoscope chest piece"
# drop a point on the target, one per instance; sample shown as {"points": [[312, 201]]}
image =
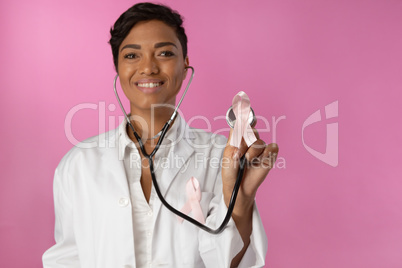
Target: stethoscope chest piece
{"points": [[231, 117]]}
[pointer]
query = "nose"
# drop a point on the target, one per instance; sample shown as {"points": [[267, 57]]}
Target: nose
{"points": [[148, 66]]}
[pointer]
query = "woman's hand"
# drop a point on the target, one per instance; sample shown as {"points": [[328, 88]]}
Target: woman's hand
{"points": [[260, 160]]}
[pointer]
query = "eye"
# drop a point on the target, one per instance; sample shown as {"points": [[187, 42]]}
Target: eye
{"points": [[130, 56], [166, 53]]}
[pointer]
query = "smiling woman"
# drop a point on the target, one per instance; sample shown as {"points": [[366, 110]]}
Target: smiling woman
{"points": [[109, 213], [151, 67]]}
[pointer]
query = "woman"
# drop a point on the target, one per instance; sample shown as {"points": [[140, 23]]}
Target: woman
{"points": [[107, 211]]}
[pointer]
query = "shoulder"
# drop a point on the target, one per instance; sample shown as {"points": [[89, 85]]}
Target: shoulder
{"points": [[90, 150]]}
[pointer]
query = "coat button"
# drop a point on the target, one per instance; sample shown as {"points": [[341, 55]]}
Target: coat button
{"points": [[123, 202]]}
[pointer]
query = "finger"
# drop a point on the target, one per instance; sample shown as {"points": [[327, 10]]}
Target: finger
{"points": [[258, 146], [255, 150], [273, 148], [228, 152], [234, 152], [268, 157]]}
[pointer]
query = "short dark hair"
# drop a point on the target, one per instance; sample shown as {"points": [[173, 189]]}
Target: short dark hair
{"points": [[145, 12]]}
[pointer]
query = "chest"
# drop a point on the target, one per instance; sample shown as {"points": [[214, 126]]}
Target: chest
{"points": [[146, 179]]}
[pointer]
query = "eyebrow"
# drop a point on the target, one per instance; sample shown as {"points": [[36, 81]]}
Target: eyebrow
{"points": [[157, 45], [163, 44]]}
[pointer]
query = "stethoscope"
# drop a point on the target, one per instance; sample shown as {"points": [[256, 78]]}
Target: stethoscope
{"points": [[230, 118]]}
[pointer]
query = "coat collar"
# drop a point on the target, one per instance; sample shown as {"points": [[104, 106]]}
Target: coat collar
{"points": [[177, 132]]}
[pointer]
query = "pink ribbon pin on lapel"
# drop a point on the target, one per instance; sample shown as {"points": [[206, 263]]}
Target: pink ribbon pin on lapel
{"points": [[241, 109], [193, 193]]}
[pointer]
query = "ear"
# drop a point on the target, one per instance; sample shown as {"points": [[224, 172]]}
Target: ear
{"points": [[186, 63]]}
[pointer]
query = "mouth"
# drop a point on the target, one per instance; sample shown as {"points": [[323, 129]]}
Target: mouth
{"points": [[149, 85]]}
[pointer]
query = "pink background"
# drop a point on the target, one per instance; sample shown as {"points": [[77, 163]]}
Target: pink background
{"points": [[291, 57]]}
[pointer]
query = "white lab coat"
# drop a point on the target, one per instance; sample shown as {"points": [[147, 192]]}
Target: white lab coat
{"points": [[94, 227]]}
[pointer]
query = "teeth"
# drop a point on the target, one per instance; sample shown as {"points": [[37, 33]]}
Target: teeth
{"points": [[149, 85]]}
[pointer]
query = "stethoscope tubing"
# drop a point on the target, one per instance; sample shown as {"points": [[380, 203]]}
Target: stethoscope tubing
{"points": [[151, 166]]}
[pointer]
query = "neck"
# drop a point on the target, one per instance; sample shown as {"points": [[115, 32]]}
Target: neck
{"points": [[148, 123]]}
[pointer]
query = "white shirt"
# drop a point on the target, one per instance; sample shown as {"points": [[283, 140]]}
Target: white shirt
{"points": [[94, 210], [143, 219]]}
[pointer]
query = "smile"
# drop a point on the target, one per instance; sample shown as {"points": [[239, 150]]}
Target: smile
{"points": [[149, 85]]}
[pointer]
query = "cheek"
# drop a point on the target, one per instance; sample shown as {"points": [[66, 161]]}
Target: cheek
{"points": [[124, 79], [178, 80], [180, 74], [125, 73]]}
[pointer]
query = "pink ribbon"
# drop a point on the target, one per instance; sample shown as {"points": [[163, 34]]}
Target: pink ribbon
{"points": [[242, 129], [193, 201]]}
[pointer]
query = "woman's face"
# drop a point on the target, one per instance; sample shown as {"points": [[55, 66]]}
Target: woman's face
{"points": [[151, 65]]}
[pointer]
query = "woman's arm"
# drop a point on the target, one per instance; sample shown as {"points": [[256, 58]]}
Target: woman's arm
{"points": [[260, 159], [243, 220]]}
